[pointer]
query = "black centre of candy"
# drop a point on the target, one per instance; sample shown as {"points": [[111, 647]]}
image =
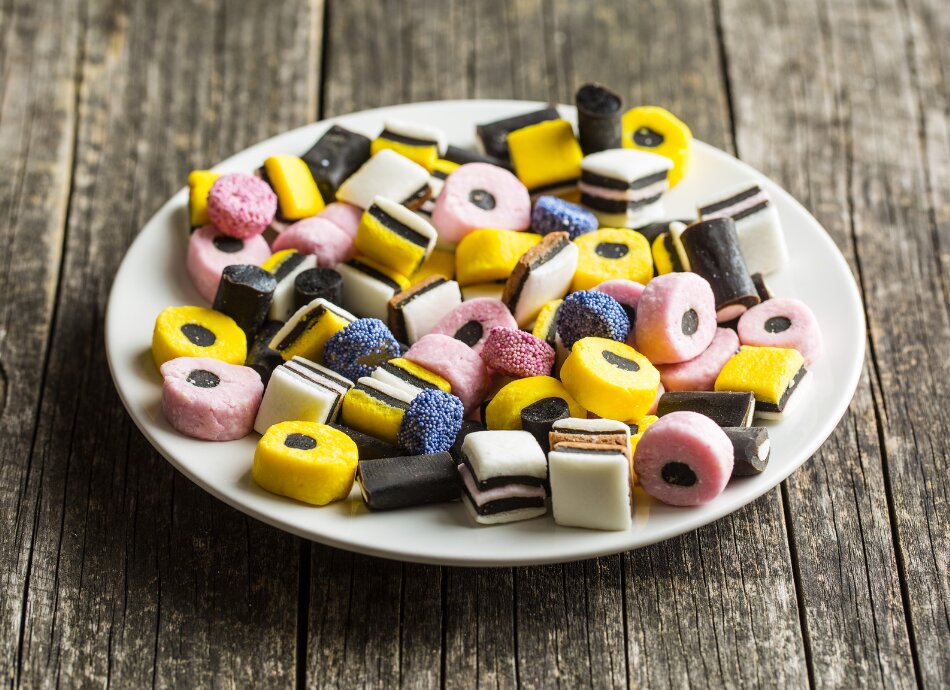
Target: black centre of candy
{"points": [[678, 474], [620, 362], [198, 335], [690, 322], [777, 324], [202, 378], [300, 442], [611, 250], [546, 410], [647, 137], [482, 199], [228, 245], [470, 333], [631, 314]]}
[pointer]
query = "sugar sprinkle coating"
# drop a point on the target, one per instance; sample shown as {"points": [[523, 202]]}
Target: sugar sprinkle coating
{"points": [[517, 353], [589, 313], [359, 348], [241, 205], [431, 423], [553, 214]]}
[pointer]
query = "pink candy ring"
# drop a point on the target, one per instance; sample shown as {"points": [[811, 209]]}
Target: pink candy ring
{"points": [[210, 251], [782, 322], [471, 321], [456, 362], [346, 216], [241, 205], [210, 399], [517, 353], [480, 195], [700, 372], [684, 459], [627, 292], [676, 318], [318, 236]]}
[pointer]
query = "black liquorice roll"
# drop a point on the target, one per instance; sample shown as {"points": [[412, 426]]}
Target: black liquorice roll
{"points": [[317, 282], [599, 118], [245, 293], [751, 449], [337, 154], [759, 281], [712, 249], [538, 418], [412, 480], [725, 408]]}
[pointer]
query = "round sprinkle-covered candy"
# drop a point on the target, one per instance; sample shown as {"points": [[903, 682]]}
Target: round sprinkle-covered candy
{"points": [[610, 379], [657, 130], [676, 318], [431, 423], [210, 251], [782, 322], [684, 459], [612, 253], [320, 237], [454, 361], [700, 372], [489, 254], [197, 332], [515, 353], [241, 205], [627, 293], [553, 214], [359, 348], [307, 461], [480, 195], [504, 410], [589, 313], [471, 321]]}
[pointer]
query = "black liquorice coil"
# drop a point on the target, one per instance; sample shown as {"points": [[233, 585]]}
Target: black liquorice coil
{"points": [[245, 293], [317, 282]]}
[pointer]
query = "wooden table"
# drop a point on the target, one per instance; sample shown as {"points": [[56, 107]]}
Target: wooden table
{"points": [[116, 570]]}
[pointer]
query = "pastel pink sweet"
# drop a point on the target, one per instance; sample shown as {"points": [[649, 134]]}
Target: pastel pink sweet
{"points": [[471, 321], [517, 353], [627, 292], [783, 322], [210, 399], [241, 205], [480, 195], [456, 362], [498, 493], [346, 216], [676, 318], [700, 372], [210, 251], [656, 401], [684, 459], [320, 237]]}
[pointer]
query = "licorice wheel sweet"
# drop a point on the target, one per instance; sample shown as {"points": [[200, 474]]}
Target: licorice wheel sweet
{"points": [[657, 130], [317, 282], [539, 417], [611, 254], [751, 448], [665, 257], [504, 410], [676, 318], [197, 332], [471, 321], [783, 322], [479, 195], [210, 251]]}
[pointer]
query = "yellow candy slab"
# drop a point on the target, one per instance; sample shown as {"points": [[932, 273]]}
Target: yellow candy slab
{"points": [[375, 408], [546, 156], [307, 331], [610, 379], [297, 193], [439, 263], [611, 254], [199, 184], [490, 254], [766, 372], [197, 332], [425, 155], [504, 410], [309, 462], [657, 130], [422, 373]]}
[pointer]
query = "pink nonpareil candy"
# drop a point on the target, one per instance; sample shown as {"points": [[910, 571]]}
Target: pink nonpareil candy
{"points": [[782, 322], [480, 195], [210, 251], [210, 399], [241, 205], [516, 353], [684, 459], [320, 237], [676, 318], [471, 321], [456, 362], [700, 372]]}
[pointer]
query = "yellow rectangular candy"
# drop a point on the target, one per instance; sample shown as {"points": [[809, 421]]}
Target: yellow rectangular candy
{"points": [[546, 156], [297, 193], [199, 184]]}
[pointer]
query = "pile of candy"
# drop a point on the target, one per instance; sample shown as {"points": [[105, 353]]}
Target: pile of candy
{"points": [[517, 328]]}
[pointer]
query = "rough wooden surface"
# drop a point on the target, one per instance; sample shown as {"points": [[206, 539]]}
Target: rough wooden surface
{"points": [[117, 570]]}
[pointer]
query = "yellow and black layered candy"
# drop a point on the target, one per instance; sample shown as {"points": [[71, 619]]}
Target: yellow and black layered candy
{"points": [[375, 408], [773, 374], [394, 236], [307, 331]]}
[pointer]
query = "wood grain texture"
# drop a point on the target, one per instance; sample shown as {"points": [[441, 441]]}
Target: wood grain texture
{"points": [[137, 577]]}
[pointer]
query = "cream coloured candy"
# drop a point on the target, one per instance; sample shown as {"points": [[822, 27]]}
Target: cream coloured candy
{"points": [[415, 311], [418, 142], [317, 236], [471, 321], [210, 251], [301, 390], [700, 372], [368, 286], [210, 399], [684, 459], [590, 486], [542, 274], [676, 318], [456, 362], [241, 205], [286, 265], [783, 322], [386, 174], [480, 195], [623, 187]]}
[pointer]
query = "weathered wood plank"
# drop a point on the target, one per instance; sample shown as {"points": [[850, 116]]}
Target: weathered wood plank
{"points": [[137, 577], [836, 96], [39, 52]]}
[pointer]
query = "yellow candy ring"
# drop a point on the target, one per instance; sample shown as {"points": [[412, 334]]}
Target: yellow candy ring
{"points": [[612, 254], [504, 410], [197, 332], [310, 462], [657, 130], [610, 379]]}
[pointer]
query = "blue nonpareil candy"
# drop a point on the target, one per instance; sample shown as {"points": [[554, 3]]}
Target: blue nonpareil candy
{"points": [[431, 423], [553, 214], [589, 313], [359, 348]]}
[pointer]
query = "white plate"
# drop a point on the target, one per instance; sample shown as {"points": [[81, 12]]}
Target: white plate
{"points": [[152, 276]]}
